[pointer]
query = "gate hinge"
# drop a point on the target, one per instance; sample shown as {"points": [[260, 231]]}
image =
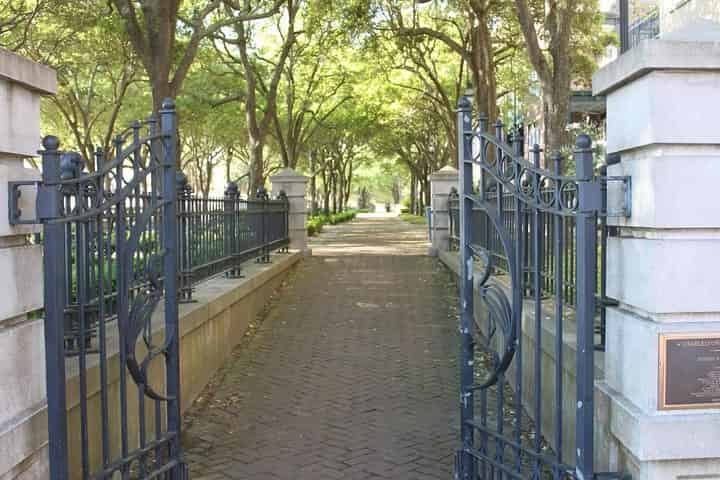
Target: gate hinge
{"points": [[622, 205], [47, 202], [14, 195]]}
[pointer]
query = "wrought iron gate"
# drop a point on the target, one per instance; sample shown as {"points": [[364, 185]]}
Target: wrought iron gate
{"points": [[111, 257], [532, 234]]}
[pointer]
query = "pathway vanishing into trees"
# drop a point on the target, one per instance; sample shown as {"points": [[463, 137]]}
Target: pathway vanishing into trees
{"points": [[351, 374]]}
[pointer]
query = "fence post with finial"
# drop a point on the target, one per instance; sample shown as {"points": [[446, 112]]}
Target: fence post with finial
{"points": [[466, 462], [185, 247], [588, 205], [232, 234], [168, 129], [49, 206]]}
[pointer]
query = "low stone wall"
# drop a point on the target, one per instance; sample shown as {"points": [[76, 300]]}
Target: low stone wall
{"points": [[548, 364], [210, 328]]}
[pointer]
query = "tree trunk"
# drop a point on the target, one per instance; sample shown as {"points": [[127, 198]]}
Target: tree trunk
{"points": [[413, 195], [426, 190], [313, 181], [554, 76], [483, 68], [326, 192], [556, 99], [341, 191], [160, 91], [257, 174], [348, 184]]}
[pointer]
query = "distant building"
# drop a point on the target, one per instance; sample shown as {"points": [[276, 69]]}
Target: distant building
{"points": [[678, 15], [644, 23], [647, 19]]}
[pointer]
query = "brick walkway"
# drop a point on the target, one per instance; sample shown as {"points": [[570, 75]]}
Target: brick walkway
{"points": [[352, 374]]}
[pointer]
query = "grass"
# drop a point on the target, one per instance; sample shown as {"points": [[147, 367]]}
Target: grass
{"points": [[414, 219]]}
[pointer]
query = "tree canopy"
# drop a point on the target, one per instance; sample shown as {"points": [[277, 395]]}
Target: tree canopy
{"points": [[359, 95]]}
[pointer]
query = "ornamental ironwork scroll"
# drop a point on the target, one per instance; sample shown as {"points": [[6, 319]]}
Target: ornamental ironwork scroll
{"points": [[111, 261], [528, 246]]}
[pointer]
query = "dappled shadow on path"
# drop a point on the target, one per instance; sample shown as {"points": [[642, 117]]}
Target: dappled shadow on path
{"points": [[372, 234], [351, 374]]}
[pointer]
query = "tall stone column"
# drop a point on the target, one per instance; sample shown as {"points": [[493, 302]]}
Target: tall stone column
{"points": [[22, 355], [293, 184], [664, 262], [441, 183]]}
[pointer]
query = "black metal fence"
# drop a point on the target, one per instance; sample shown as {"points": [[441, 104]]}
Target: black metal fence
{"points": [[644, 28], [215, 236], [118, 243], [218, 234], [487, 237], [110, 252], [503, 379]]}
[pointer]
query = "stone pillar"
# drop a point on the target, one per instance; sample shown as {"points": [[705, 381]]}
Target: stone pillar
{"points": [[441, 182], [664, 260], [293, 184], [22, 355]]}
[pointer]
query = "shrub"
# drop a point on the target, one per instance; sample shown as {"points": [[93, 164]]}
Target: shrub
{"points": [[314, 226], [316, 222], [414, 219]]}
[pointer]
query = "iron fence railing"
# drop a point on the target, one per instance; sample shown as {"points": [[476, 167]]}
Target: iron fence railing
{"points": [[218, 234], [645, 28], [215, 236], [484, 235]]}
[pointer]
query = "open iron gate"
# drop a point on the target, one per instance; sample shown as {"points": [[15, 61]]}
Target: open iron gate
{"points": [[514, 218], [110, 258]]}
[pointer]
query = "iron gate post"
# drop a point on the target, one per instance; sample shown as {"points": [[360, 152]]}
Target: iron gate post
{"points": [[467, 356], [185, 246], [49, 202], [232, 204], [262, 197], [170, 241], [589, 203]]}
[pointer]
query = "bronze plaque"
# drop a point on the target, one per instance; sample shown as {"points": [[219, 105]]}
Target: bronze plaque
{"points": [[689, 371]]}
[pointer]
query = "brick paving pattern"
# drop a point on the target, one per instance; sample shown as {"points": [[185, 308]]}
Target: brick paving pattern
{"points": [[351, 374]]}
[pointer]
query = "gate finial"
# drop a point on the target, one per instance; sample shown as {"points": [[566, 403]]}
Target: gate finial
{"points": [[464, 103], [583, 157], [583, 141], [168, 104], [232, 190], [51, 142]]}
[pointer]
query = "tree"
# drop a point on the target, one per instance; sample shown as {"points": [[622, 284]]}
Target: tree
{"points": [[314, 88], [239, 51], [93, 83], [211, 139], [202, 154], [16, 19], [152, 26], [480, 31], [558, 19], [435, 76]]}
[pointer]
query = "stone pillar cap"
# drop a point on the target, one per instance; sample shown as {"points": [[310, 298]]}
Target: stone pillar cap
{"points": [[445, 173], [32, 75], [658, 54], [288, 175]]}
